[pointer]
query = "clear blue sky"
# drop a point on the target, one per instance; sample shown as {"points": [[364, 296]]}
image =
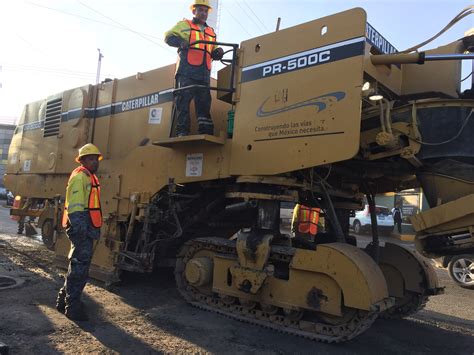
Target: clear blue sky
{"points": [[47, 46]]}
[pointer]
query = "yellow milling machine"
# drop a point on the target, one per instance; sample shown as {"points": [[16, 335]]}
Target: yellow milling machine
{"points": [[325, 113]]}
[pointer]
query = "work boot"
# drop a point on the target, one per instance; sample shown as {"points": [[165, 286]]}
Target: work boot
{"points": [[303, 243], [76, 313], [61, 301], [205, 126]]}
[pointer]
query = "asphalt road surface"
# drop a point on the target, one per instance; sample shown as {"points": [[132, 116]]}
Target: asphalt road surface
{"points": [[145, 314]]}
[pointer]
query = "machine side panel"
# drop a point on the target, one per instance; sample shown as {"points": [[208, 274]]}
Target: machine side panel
{"points": [[301, 100], [420, 78], [19, 141], [27, 151], [74, 130], [132, 114]]}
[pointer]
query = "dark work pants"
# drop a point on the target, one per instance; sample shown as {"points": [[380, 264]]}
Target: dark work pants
{"points": [[78, 271], [306, 236], [202, 102]]}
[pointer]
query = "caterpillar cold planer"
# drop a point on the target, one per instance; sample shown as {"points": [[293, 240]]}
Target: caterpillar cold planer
{"points": [[326, 120]]}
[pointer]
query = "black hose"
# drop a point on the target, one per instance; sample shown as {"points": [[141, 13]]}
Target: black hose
{"points": [[336, 225], [373, 221]]}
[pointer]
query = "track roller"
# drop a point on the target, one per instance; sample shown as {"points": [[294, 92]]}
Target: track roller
{"points": [[330, 294]]}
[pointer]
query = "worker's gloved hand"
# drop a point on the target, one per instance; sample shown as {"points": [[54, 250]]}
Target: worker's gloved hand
{"points": [[217, 54]]}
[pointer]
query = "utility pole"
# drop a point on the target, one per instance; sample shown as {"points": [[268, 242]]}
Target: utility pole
{"points": [[96, 99], [99, 64]]}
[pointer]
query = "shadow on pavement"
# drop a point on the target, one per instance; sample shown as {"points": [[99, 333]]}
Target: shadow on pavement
{"points": [[216, 333], [30, 324], [161, 311], [23, 326], [435, 317], [108, 334]]}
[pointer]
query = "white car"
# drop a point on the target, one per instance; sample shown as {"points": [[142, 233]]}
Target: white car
{"points": [[362, 223], [286, 212], [460, 268]]}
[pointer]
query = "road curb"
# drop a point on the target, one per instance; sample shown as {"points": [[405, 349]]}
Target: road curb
{"points": [[404, 237], [4, 349]]}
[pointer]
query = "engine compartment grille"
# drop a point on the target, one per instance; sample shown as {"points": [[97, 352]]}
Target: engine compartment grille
{"points": [[53, 118]]}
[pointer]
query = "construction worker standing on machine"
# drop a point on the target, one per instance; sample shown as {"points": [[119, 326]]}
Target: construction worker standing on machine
{"points": [[305, 222], [82, 219], [194, 67]]}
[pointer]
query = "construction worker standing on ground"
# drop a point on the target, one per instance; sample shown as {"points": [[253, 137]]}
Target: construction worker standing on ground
{"points": [[82, 219], [194, 67], [397, 218], [305, 222]]}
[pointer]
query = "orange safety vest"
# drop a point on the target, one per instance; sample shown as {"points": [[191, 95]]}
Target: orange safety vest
{"points": [[308, 219], [93, 207], [16, 206], [199, 52]]}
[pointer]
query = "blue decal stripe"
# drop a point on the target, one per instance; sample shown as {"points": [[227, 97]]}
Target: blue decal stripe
{"points": [[136, 103], [306, 59], [315, 101], [379, 41]]}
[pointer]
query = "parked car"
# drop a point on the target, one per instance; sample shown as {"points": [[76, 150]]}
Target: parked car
{"points": [[3, 193], [10, 198], [460, 269], [361, 221], [286, 212]]}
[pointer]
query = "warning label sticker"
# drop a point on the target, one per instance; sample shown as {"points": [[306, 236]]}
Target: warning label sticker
{"points": [[27, 165], [155, 115], [194, 164]]}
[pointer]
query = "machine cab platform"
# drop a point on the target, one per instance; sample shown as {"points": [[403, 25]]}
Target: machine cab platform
{"points": [[188, 140]]}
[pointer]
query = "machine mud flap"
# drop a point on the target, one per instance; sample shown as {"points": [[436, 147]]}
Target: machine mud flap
{"points": [[417, 273], [410, 278]]}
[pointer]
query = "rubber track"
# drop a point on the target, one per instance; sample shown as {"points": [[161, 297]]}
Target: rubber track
{"points": [[321, 332], [416, 304]]}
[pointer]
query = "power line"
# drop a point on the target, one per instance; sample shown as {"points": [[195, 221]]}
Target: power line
{"points": [[62, 75], [78, 16], [250, 17], [245, 30], [30, 44], [258, 18], [56, 69], [125, 27], [27, 66], [52, 71]]}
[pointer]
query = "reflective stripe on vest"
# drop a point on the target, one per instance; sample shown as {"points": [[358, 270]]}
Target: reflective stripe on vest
{"points": [[308, 219], [93, 207], [200, 52]]}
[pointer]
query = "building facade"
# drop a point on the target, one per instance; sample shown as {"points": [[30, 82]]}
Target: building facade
{"points": [[6, 134]]}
